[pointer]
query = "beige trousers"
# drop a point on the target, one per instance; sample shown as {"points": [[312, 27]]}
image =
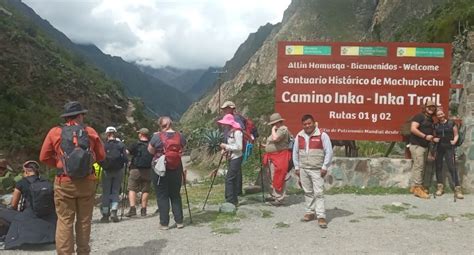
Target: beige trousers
{"points": [[313, 186], [418, 154], [74, 202]]}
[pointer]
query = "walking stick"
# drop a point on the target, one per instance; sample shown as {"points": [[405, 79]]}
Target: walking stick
{"points": [[261, 171], [212, 182], [124, 195], [455, 172], [187, 199], [435, 155]]}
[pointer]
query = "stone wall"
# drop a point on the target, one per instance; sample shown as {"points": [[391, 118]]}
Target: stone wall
{"points": [[466, 112]]}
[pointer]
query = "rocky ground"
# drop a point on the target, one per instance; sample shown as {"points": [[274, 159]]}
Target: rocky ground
{"points": [[374, 224]]}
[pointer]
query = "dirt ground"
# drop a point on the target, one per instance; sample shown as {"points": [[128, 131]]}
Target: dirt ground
{"points": [[371, 224]]}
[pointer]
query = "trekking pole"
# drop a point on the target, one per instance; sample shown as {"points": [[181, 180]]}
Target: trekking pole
{"points": [[261, 171], [212, 182], [187, 199], [435, 154], [124, 188], [455, 173]]}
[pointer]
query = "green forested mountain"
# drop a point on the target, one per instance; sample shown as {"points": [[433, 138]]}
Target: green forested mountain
{"points": [[158, 96], [37, 76]]}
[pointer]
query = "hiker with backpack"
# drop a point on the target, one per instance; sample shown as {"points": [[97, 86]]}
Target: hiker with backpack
{"points": [[421, 129], [312, 155], [277, 157], [113, 168], [446, 138], [34, 220], [139, 178], [168, 145], [249, 132], [233, 150], [72, 148]]}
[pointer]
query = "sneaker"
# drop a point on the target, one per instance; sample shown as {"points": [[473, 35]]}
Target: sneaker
{"points": [[104, 219], [131, 212], [162, 227], [276, 203], [308, 217], [322, 223], [143, 212], [179, 225]]}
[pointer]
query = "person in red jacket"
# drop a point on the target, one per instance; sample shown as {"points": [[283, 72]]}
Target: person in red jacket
{"points": [[74, 197]]}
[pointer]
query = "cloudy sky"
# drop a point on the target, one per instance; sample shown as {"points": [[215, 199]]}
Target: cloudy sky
{"points": [[179, 33]]}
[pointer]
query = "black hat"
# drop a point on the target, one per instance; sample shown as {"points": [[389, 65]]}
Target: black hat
{"points": [[73, 108]]}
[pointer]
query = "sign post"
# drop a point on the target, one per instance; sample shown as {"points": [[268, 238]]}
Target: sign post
{"points": [[360, 91]]}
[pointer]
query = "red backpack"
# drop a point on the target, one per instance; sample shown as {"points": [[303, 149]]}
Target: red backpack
{"points": [[172, 150]]}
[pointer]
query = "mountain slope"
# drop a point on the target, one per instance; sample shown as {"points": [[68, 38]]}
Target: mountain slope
{"points": [[157, 95], [317, 20], [37, 77]]}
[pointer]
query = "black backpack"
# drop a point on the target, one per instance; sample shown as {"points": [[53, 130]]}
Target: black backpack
{"points": [[114, 158], [77, 158], [42, 196], [143, 158]]}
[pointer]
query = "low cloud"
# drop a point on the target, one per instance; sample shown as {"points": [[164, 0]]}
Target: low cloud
{"points": [[180, 33]]}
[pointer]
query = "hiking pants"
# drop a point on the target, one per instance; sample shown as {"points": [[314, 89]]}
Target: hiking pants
{"points": [[418, 154], [232, 180], [446, 152], [168, 190], [313, 185], [74, 200], [111, 182]]}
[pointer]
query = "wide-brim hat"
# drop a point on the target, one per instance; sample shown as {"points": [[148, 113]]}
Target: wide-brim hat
{"points": [[228, 119], [73, 108], [274, 118], [229, 104]]}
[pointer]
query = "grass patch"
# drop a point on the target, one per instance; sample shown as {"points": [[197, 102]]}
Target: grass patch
{"points": [[441, 217], [266, 213], [375, 217], [197, 194], [282, 225], [354, 221], [469, 216], [294, 191], [226, 231], [394, 208], [366, 191]]}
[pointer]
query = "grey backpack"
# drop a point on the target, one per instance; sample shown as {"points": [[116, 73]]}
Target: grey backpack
{"points": [[77, 158]]}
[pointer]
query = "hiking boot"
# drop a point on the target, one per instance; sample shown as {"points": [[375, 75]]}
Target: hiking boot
{"points": [[426, 189], [143, 212], [113, 216], [458, 192], [131, 212], [322, 223], [308, 217], [439, 189], [105, 218], [419, 192]]}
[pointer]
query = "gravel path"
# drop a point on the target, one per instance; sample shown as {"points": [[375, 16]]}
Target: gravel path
{"points": [[357, 225]]}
